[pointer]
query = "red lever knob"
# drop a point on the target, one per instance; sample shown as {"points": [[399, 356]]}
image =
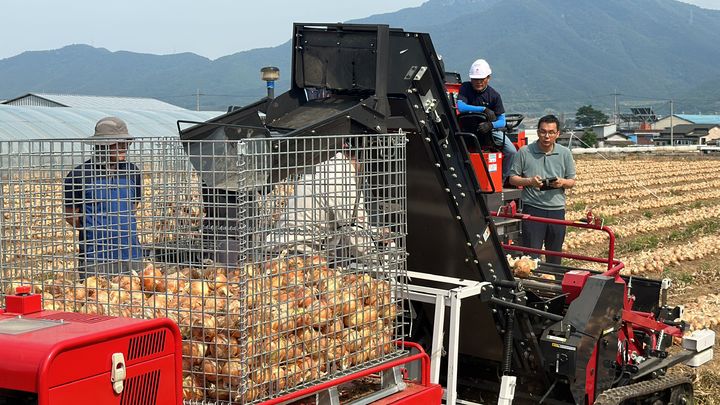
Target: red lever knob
{"points": [[22, 290]]}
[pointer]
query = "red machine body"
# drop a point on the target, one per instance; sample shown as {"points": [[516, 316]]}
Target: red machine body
{"points": [[493, 162], [61, 358]]}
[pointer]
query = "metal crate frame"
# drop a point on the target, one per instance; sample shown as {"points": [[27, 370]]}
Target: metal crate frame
{"points": [[255, 326]]}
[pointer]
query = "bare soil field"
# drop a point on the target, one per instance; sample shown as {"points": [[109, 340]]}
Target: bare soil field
{"points": [[665, 212]]}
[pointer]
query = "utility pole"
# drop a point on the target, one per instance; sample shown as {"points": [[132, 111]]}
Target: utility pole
{"points": [[615, 116], [672, 128], [197, 100]]}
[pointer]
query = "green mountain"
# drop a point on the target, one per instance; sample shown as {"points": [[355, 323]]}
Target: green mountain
{"points": [[545, 54]]}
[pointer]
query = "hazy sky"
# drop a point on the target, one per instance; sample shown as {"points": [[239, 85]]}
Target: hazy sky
{"points": [[210, 28]]}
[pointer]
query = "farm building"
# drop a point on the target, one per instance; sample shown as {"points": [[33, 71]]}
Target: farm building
{"points": [[21, 122], [91, 102], [689, 134], [687, 119]]}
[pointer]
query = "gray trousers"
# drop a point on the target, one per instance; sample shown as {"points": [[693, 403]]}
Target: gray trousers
{"points": [[534, 234]]}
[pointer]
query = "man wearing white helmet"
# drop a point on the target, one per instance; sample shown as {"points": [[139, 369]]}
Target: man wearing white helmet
{"points": [[477, 96]]}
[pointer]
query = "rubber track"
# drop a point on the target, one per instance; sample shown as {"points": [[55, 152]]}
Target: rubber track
{"points": [[616, 396]]}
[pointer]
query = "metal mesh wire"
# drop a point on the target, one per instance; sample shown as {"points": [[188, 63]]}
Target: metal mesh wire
{"points": [[288, 276]]}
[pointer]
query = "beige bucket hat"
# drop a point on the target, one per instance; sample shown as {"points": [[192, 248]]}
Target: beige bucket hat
{"points": [[109, 131]]}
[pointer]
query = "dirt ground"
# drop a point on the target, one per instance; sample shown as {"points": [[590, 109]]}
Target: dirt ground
{"points": [[695, 279]]}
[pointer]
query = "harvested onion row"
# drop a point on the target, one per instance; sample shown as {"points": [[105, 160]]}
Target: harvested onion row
{"points": [[650, 203], [641, 193], [588, 238], [657, 259], [702, 312]]}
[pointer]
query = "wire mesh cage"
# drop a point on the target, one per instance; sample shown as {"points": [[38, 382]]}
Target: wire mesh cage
{"points": [[281, 259]]}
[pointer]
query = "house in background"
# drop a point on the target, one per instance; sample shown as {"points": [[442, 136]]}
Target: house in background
{"points": [[607, 135], [689, 134], [687, 119], [643, 137]]}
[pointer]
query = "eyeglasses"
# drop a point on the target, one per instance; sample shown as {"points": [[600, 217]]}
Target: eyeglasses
{"points": [[120, 147], [548, 133]]}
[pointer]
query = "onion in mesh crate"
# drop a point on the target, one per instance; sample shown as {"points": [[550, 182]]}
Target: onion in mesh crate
{"points": [[304, 319]]}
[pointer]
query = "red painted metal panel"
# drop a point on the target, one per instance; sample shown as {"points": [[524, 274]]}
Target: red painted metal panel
{"points": [[147, 383]]}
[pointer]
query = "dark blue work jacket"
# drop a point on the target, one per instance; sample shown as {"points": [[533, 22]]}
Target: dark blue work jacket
{"points": [[107, 199]]}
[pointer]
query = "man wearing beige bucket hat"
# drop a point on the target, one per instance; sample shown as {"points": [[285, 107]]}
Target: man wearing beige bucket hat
{"points": [[101, 198]]}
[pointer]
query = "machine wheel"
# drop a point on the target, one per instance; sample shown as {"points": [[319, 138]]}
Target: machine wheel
{"points": [[682, 395], [645, 392]]}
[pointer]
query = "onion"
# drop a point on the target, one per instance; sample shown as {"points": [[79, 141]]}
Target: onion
{"points": [[365, 315], [276, 350], [219, 391], [333, 328], [379, 293], [151, 277], [57, 288], [203, 325], [330, 284], [219, 283], [194, 350], [295, 263], [523, 268], [278, 377], [277, 282], [320, 313], [352, 340], [199, 288], [234, 370], [174, 286], [224, 347], [388, 312], [120, 296], [253, 392], [192, 389], [210, 369], [317, 275], [277, 266], [130, 283]]}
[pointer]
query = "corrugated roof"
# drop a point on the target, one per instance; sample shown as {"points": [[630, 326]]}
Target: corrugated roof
{"points": [[20, 123], [700, 119], [102, 102]]}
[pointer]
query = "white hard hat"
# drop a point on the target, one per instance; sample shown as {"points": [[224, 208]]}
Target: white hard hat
{"points": [[480, 69]]}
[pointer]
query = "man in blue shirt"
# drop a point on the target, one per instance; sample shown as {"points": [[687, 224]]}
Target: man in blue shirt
{"points": [[101, 197], [544, 159], [477, 96]]}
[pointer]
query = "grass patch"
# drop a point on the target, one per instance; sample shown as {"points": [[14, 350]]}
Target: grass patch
{"points": [[641, 243], [676, 192], [648, 214], [670, 211], [679, 277], [608, 219], [577, 206], [696, 204], [695, 229]]}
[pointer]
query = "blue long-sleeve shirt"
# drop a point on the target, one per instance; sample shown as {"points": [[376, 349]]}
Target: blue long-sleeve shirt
{"points": [[477, 101], [464, 107]]}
